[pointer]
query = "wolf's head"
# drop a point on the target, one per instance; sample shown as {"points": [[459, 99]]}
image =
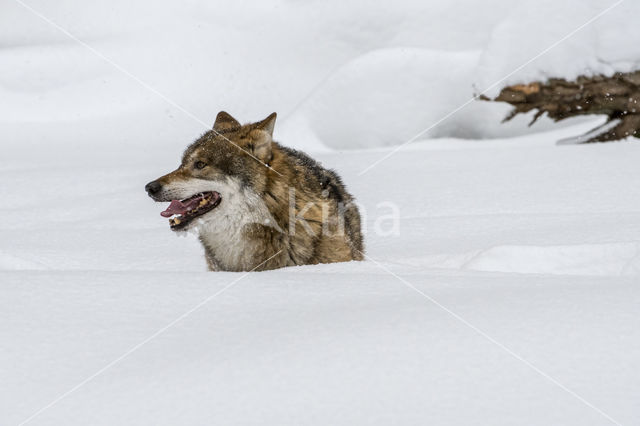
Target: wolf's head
{"points": [[220, 172]]}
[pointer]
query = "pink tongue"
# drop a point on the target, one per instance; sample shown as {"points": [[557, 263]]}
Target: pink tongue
{"points": [[178, 207]]}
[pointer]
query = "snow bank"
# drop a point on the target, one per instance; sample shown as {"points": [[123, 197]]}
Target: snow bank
{"points": [[571, 38], [534, 244], [605, 259], [339, 75], [379, 97]]}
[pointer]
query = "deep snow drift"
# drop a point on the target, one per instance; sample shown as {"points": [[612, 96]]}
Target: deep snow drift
{"points": [[339, 74], [508, 295], [535, 245]]}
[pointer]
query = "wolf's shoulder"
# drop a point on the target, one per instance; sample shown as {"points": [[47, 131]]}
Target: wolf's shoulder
{"points": [[303, 161], [314, 173]]}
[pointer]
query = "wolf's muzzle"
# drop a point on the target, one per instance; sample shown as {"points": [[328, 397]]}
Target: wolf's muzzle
{"points": [[153, 188]]}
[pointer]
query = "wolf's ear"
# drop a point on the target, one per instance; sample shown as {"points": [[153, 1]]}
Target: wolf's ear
{"points": [[225, 121], [261, 146], [267, 124], [261, 139]]}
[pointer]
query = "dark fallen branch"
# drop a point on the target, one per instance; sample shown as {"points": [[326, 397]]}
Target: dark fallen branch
{"points": [[617, 97]]}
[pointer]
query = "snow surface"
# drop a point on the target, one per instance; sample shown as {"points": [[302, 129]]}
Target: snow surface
{"points": [[509, 294], [340, 75]]}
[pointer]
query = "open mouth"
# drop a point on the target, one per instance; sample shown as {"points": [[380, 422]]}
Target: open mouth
{"points": [[182, 212]]}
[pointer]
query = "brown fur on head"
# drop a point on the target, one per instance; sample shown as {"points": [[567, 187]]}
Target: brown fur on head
{"points": [[232, 149]]}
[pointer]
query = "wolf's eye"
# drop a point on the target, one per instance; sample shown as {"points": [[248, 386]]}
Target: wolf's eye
{"points": [[200, 165]]}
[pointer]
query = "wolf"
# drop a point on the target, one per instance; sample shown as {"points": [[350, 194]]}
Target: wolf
{"points": [[258, 205]]}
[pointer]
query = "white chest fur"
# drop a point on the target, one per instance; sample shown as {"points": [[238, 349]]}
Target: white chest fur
{"points": [[221, 230]]}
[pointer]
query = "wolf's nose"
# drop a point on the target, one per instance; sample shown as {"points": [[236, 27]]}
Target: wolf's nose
{"points": [[153, 188]]}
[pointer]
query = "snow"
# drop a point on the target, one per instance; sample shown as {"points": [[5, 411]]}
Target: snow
{"points": [[600, 45], [536, 245], [346, 69], [508, 294]]}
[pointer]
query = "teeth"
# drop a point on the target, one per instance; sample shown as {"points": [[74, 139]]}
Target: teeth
{"points": [[204, 202]]}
